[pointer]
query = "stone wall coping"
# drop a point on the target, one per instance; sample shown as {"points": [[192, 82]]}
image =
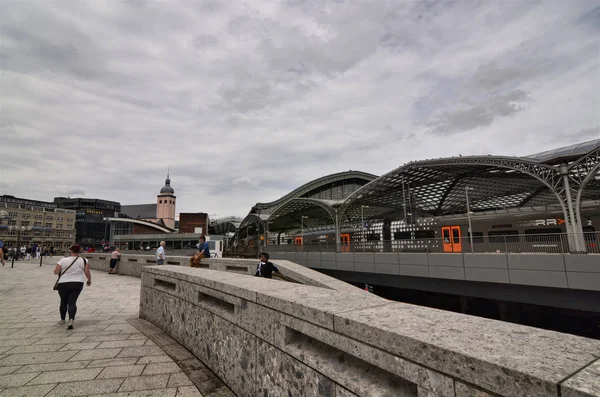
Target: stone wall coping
{"points": [[288, 269], [492, 354]]}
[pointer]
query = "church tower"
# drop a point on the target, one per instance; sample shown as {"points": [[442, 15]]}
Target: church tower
{"points": [[165, 204]]}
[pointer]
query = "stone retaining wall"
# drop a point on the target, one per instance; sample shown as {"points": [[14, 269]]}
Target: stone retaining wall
{"points": [[269, 338], [131, 265]]}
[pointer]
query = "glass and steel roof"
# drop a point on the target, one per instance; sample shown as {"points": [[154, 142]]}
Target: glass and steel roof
{"points": [[571, 151], [439, 187]]}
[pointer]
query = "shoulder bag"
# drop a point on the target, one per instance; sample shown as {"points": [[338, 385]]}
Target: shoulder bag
{"points": [[59, 276]]}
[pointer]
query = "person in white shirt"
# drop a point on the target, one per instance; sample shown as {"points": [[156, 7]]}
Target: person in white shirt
{"points": [[70, 283], [160, 254]]}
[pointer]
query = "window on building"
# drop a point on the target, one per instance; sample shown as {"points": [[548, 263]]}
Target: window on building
{"points": [[59, 226], [60, 218], [419, 234], [402, 236], [38, 224], [25, 223], [373, 237], [477, 237], [12, 222], [49, 218], [510, 236], [542, 235]]}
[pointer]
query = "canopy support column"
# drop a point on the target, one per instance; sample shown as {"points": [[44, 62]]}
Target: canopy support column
{"points": [[572, 221], [338, 232]]}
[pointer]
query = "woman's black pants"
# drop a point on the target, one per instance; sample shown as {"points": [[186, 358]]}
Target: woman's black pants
{"points": [[69, 292]]}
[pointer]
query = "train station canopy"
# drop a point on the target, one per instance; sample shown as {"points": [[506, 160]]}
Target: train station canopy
{"points": [[224, 226], [438, 187], [311, 205]]}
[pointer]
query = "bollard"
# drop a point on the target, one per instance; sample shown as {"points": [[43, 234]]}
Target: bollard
{"points": [[41, 259]]}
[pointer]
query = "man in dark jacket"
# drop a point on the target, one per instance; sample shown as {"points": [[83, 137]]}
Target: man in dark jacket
{"points": [[265, 268]]}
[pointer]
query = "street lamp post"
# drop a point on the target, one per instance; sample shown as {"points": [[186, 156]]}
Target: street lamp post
{"points": [[362, 224], [467, 188], [19, 230], [302, 227]]}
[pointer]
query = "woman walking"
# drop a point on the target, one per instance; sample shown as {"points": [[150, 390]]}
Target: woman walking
{"points": [[70, 283]]}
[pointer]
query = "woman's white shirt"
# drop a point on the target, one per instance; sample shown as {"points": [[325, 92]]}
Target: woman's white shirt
{"points": [[75, 273]]}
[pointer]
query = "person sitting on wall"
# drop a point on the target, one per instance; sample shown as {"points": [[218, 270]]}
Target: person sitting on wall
{"points": [[114, 258], [203, 252], [265, 268]]}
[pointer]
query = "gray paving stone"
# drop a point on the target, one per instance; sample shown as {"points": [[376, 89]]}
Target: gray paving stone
{"points": [[161, 368], [9, 370], [86, 388], [80, 346], [141, 351], [113, 362], [69, 375], [53, 366], [144, 393], [188, 391], [178, 380], [149, 382], [17, 342], [34, 349], [155, 359], [16, 380], [29, 326], [96, 354], [103, 338], [28, 391], [122, 343], [121, 371], [60, 340], [137, 336], [36, 358]]}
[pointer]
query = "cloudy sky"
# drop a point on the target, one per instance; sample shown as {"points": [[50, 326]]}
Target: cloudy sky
{"points": [[246, 101]]}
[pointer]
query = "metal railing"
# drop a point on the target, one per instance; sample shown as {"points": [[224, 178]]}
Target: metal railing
{"points": [[524, 243]]}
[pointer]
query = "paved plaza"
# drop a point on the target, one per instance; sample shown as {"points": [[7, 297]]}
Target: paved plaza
{"points": [[103, 355]]}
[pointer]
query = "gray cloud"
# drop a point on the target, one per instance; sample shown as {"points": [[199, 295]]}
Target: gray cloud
{"points": [[248, 100]]}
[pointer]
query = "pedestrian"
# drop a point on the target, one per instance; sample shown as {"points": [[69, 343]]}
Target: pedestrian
{"points": [[114, 258], [265, 268], [2, 253], [70, 282], [203, 252], [38, 252], [28, 252], [160, 254]]}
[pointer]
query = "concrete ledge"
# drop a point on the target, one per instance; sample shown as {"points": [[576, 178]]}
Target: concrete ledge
{"points": [[494, 261], [583, 263], [265, 337], [448, 260], [487, 275], [582, 280], [132, 265], [549, 262], [413, 259], [540, 278]]}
